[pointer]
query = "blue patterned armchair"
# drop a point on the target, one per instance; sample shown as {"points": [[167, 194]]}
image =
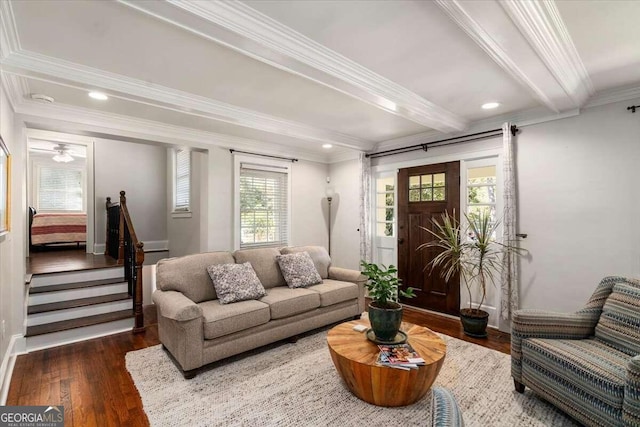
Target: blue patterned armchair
{"points": [[586, 363]]}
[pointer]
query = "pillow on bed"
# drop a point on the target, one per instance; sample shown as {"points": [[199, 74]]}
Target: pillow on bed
{"points": [[298, 270], [235, 282]]}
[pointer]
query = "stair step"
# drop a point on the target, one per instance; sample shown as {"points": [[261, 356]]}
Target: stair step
{"points": [[77, 285], [78, 323], [74, 303]]}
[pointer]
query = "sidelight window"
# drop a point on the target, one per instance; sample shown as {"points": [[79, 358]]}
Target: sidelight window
{"points": [[385, 206]]}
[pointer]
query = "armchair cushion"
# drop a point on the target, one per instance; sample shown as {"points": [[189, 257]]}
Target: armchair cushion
{"points": [[590, 365], [619, 323]]}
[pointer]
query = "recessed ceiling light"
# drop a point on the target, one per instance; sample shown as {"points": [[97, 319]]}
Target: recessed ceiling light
{"points": [[98, 95], [490, 105], [327, 145]]}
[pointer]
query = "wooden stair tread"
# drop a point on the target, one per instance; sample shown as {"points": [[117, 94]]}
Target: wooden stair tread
{"points": [[75, 303], [76, 285], [78, 323]]}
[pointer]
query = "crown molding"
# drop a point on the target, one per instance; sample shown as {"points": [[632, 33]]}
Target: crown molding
{"points": [[9, 40], [541, 24], [100, 124], [613, 95], [16, 88], [41, 67], [463, 17], [244, 29]]}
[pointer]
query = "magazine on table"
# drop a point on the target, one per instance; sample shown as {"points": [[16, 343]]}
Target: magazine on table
{"points": [[399, 356]]}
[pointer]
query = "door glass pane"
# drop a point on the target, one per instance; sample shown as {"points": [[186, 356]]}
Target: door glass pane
{"points": [[483, 209], [384, 184], [484, 194], [414, 182], [483, 175], [438, 194], [414, 195], [427, 181], [438, 180], [384, 229], [427, 195]]}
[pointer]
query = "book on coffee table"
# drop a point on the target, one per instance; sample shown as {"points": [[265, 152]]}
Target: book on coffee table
{"points": [[399, 355]]}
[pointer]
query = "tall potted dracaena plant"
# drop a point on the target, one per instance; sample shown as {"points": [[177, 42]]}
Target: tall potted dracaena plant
{"points": [[471, 252], [385, 313]]}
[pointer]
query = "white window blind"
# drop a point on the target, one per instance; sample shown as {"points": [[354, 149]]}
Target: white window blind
{"points": [[59, 189], [183, 180], [264, 210]]}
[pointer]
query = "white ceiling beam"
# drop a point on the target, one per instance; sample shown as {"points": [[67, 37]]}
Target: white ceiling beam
{"points": [[506, 42], [244, 29], [54, 70], [540, 22], [66, 118]]}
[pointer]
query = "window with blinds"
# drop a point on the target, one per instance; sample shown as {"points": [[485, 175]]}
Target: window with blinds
{"points": [[264, 206], [59, 189], [182, 194]]}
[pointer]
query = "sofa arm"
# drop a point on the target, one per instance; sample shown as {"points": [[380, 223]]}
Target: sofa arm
{"points": [[175, 306], [546, 324], [353, 276], [631, 403], [346, 275]]}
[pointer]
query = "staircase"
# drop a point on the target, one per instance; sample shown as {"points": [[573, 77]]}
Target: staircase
{"points": [[77, 305], [84, 302]]}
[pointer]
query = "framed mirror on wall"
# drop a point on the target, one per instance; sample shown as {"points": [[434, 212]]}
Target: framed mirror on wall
{"points": [[5, 186]]}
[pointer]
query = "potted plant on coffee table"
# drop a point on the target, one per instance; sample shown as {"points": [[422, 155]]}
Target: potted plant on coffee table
{"points": [[472, 252], [385, 312]]}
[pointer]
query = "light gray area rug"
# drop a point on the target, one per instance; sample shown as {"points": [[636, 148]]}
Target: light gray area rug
{"points": [[297, 385]]}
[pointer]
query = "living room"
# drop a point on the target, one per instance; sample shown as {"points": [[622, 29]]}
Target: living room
{"points": [[285, 78]]}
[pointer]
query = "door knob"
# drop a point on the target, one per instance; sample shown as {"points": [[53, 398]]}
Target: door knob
{"points": [[400, 241]]}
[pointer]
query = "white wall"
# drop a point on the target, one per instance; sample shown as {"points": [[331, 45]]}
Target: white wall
{"points": [[188, 234], [578, 182], [141, 171], [309, 209], [12, 245], [220, 200], [345, 234]]}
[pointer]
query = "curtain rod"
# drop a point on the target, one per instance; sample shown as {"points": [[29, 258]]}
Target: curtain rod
{"points": [[447, 141], [231, 150], [633, 108]]}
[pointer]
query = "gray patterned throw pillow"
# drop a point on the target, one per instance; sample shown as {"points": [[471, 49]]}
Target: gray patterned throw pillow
{"points": [[298, 270], [235, 282]]}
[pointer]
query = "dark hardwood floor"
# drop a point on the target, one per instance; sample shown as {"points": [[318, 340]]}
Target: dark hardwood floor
{"points": [[90, 379], [62, 260]]}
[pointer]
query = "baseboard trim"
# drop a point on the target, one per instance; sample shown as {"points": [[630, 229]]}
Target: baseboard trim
{"points": [[6, 369]]}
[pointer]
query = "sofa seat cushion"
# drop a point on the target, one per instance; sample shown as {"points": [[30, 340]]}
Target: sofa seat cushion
{"points": [[285, 302], [335, 291], [220, 320], [588, 365]]}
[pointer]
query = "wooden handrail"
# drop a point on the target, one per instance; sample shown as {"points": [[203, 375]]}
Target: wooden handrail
{"points": [[129, 253]]}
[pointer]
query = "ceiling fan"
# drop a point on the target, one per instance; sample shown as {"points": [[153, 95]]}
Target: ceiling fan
{"points": [[62, 155]]}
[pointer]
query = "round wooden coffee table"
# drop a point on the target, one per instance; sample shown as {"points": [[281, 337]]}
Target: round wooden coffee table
{"points": [[354, 356]]}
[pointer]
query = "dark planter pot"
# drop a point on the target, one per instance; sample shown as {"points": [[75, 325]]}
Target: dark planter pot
{"points": [[385, 321], [474, 322]]}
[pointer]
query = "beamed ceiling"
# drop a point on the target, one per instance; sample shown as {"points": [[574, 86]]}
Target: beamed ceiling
{"points": [[287, 77]]}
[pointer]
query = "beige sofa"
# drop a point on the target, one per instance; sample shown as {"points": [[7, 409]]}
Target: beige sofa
{"points": [[197, 330]]}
